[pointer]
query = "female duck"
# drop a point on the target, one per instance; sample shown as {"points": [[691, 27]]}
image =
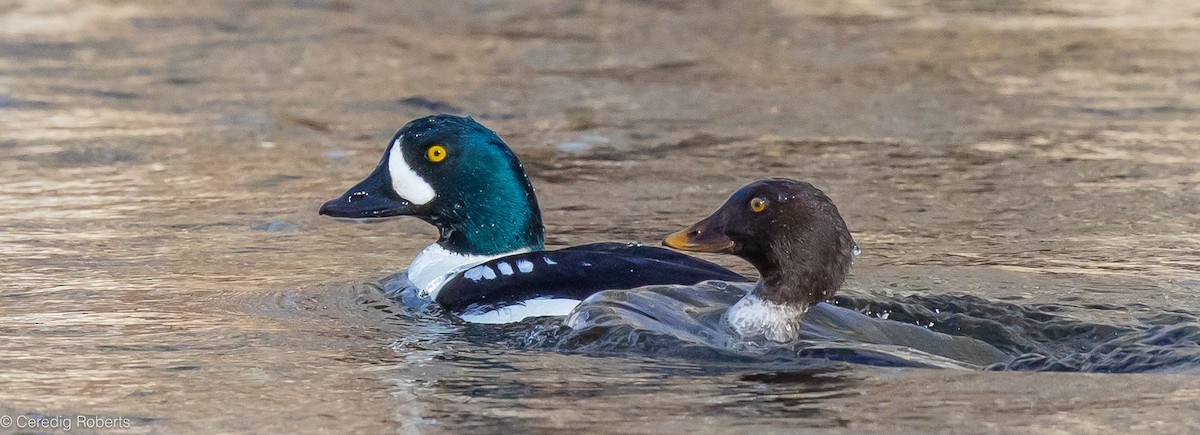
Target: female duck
{"points": [[793, 234], [488, 265]]}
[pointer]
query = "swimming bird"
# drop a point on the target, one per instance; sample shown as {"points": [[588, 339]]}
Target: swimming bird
{"points": [[792, 233], [489, 264]]}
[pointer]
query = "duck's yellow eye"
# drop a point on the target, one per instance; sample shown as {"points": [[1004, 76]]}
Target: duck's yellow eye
{"points": [[436, 153], [758, 204]]}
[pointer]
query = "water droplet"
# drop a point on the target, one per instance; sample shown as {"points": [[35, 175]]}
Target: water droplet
{"points": [[856, 251]]}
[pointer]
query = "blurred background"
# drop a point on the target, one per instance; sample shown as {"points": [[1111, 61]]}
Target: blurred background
{"points": [[161, 164]]}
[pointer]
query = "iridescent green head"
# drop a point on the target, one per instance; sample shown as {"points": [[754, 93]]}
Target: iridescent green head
{"points": [[457, 175]]}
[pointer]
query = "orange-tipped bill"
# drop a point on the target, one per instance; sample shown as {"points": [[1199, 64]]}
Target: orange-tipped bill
{"points": [[698, 238]]}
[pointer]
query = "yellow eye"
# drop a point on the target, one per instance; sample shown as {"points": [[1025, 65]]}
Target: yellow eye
{"points": [[758, 204], [436, 153]]}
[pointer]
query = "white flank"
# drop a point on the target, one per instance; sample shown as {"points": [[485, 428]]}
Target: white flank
{"points": [[753, 316], [518, 312], [405, 181], [435, 265]]}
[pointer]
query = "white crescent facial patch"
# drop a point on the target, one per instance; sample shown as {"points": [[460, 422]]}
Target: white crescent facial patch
{"points": [[405, 181]]}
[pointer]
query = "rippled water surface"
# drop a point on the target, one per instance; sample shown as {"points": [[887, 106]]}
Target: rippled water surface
{"points": [[1024, 173]]}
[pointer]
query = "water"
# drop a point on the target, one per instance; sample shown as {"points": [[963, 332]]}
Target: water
{"points": [[160, 169], [934, 331]]}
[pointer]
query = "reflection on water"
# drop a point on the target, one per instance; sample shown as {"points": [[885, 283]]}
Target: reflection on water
{"points": [[1021, 174]]}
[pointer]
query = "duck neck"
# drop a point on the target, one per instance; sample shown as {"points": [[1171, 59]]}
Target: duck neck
{"points": [[792, 275], [494, 228], [493, 215], [791, 288]]}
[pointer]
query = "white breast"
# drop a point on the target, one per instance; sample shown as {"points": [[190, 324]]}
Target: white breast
{"points": [[753, 316], [436, 265]]}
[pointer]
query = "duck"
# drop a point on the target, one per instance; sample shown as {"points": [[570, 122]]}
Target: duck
{"points": [[793, 235], [489, 263]]}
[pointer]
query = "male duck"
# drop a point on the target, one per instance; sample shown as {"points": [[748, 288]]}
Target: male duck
{"points": [[488, 265], [792, 233]]}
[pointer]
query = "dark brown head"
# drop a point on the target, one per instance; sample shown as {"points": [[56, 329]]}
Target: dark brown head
{"points": [[789, 230]]}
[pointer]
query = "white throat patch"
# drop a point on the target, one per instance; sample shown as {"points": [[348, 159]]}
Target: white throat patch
{"points": [[405, 181], [753, 316], [436, 265]]}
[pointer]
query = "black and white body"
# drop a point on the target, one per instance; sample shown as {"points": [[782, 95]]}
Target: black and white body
{"points": [[488, 264]]}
